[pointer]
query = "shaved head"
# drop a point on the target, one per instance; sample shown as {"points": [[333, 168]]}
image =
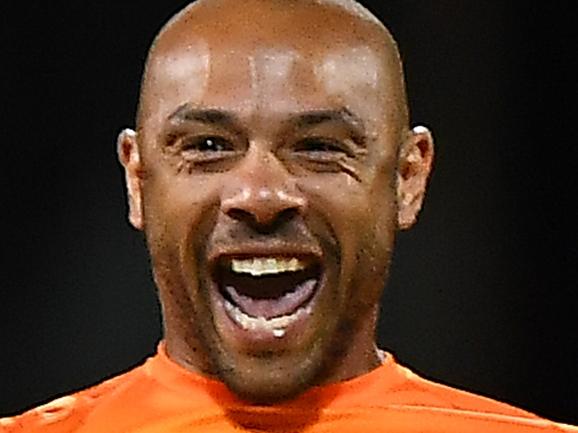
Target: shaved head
{"points": [[351, 6], [320, 23]]}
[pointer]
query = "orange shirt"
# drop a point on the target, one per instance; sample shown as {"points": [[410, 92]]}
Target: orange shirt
{"points": [[160, 396]]}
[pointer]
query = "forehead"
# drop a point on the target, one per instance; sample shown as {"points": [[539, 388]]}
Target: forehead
{"points": [[301, 62], [244, 77]]}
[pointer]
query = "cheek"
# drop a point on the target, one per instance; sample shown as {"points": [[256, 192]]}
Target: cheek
{"points": [[350, 206], [362, 218], [343, 206], [340, 204], [175, 207]]}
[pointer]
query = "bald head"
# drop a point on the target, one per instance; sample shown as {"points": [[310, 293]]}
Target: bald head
{"points": [[341, 40], [351, 6]]}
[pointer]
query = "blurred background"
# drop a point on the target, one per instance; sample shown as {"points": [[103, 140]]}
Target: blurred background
{"points": [[483, 292]]}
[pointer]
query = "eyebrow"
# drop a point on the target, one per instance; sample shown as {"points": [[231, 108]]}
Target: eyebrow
{"points": [[342, 115], [186, 113], [211, 116]]}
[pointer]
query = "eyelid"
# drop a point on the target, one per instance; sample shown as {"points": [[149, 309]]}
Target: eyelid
{"points": [[336, 146], [196, 156], [175, 131]]}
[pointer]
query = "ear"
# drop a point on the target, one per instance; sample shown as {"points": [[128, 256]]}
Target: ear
{"points": [[129, 157], [414, 167]]}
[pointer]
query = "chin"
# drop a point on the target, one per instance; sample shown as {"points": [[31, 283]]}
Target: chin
{"points": [[271, 378]]}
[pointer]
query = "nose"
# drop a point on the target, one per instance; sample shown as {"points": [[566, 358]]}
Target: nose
{"points": [[261, 193]]}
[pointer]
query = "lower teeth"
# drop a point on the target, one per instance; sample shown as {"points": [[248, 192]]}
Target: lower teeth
{"points": [[275, 325], [279, 333]]}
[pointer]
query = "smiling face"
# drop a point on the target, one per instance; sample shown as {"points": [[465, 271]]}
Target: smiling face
{"points": [[264, 176]]}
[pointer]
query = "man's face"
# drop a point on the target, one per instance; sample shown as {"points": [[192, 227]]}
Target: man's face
{"points": [[269, 207]]}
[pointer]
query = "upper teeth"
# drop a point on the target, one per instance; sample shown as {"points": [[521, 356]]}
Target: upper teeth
{"points": [[266, 265]]}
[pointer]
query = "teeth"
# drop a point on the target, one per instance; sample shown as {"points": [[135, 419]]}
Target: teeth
{"points": [[275, 325], [259, 266], [279, 333]]}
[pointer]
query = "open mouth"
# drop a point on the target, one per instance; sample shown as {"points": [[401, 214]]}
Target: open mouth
{"points": [[267, 294]]}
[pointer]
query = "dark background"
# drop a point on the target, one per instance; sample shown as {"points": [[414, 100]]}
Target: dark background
{"points": [[483, 293]]}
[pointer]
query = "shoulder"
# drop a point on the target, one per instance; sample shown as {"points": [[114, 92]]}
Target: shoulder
{"points": [[431, 392], [66, 414], [449, 406]]}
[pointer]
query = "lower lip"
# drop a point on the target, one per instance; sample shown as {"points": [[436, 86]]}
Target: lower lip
{"points": [[255, 340]]}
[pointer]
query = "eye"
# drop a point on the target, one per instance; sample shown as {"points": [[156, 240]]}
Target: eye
{"points": [[319, 146], [207, 144]]}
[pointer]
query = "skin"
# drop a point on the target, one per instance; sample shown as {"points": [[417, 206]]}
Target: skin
{"points": [[264, 77]]}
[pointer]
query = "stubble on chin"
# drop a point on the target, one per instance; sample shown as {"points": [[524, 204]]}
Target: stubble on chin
{"points": [[268, 379]]}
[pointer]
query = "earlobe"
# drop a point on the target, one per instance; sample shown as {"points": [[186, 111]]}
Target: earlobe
{"points": [[414, 168], [129, 157]]}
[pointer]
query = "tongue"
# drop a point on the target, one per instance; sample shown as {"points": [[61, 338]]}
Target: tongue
{"points": [[268, 308]]}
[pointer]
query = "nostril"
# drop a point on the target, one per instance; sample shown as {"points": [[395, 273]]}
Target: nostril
{"points": [[287, 215], [263, 220], [240, 214]]}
